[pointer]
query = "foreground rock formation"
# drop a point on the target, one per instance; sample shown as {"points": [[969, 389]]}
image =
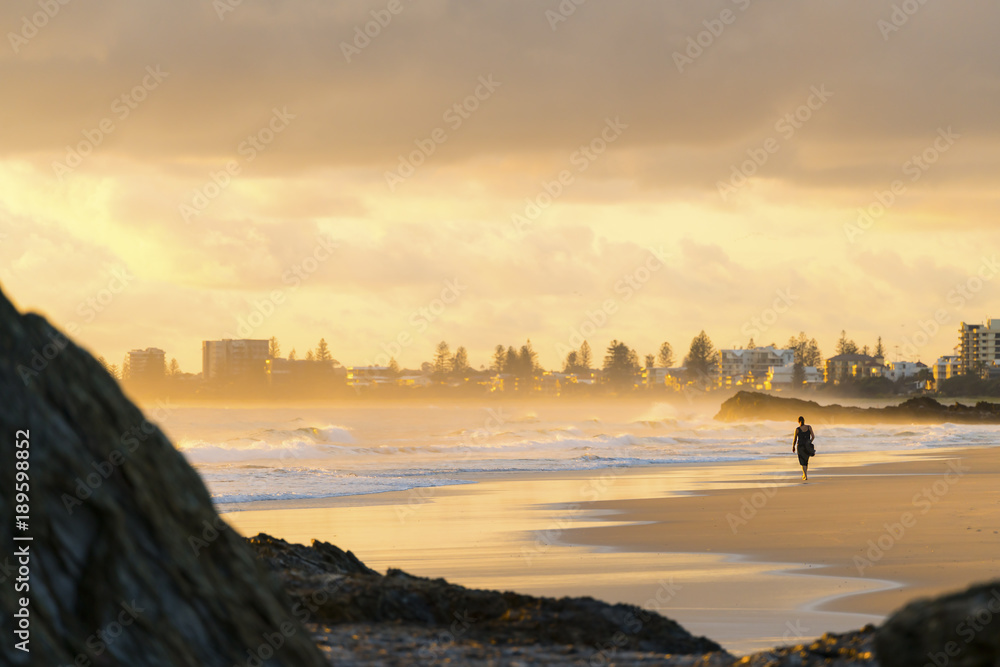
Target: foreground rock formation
{"points": [[957, 630], [362, 617], [337, 588], [128, 564], [748, 406]]}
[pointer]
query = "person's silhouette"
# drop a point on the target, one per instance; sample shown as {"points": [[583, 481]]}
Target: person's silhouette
{"points": [[803, 438]]}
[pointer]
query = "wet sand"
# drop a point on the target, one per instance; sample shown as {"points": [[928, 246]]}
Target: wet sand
{"points": [[741, 552]]}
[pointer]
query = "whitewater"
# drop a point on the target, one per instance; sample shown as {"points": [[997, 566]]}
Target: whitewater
{"points": [[256, 454]]}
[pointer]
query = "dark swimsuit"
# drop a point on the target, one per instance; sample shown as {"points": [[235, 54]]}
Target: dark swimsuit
{"points": [[802, 442]]}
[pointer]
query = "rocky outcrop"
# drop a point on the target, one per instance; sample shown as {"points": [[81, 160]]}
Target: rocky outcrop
{"points": [[957, 630], [127, 563], [750, 406], [336, 588]]}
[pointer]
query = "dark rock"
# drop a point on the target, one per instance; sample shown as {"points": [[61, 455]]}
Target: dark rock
{"points": [[129, 562], [341, 592], [830, 650], [748, 406], [957, 630]]}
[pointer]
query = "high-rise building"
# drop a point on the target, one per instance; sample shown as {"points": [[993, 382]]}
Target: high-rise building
{"points": [[978, 347], [146, 364], [234, 359]]}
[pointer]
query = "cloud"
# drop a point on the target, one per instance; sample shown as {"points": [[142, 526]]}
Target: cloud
{"points": [[606, 60]]}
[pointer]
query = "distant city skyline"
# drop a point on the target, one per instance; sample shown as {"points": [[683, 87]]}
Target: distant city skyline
{"points": [[484, 173], [598, 351]]}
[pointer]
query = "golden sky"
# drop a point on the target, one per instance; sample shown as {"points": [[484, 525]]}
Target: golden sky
{"points": [[486, 172]]}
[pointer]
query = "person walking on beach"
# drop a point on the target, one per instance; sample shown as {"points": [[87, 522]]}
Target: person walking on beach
{"points": [[803, 438]]}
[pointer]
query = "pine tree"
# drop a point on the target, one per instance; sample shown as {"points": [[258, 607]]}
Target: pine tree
{"points": [[806, 350], [499, 359], [666, 355], [273, 348], [510, 364], [442, 360], [527, 360], [310, 356], [323, 351], [879, 349], [571, 365], [460, 362], [393, 367], [798, 374], [621, 364], [650, 360], [845, 345], [584, 357], [291, 355], [702, 360], [175, 368]]}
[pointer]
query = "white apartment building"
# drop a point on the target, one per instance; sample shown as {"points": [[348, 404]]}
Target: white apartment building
{"points": [[755, 363]]}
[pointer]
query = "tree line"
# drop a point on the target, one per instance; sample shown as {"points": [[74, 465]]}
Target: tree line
{"points": [[620, 364]]}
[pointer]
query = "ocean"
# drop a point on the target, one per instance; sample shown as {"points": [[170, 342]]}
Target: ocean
{"points": [[281, 453]]}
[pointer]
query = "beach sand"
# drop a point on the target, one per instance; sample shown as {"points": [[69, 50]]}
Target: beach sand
{"points": [[742, 552], [931, 525]]}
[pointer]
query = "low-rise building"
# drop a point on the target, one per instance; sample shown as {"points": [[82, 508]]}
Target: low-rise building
{"points": [[903, 370], [946, 367], [367, 376], [304, 374], [845, 367], [784, 376], [751, 365]]}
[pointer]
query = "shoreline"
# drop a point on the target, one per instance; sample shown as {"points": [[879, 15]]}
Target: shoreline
{"points": [[580, 533], [928, 523]]}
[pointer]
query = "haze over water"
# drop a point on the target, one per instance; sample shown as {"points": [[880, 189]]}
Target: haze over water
{"points": [[250, 454]]}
